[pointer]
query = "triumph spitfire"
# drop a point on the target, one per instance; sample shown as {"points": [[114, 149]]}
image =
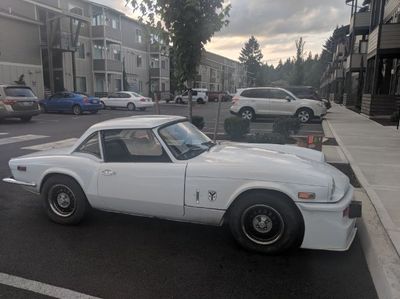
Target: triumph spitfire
{"points": [[274, 197]]}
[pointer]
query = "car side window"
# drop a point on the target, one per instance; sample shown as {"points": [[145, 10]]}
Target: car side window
{"points": [[131, 145], [113, 95], [255, 93], [278, 94], [90, 146], [124, 95], [194, 92]]}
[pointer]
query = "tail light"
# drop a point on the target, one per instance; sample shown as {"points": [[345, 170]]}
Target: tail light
{"points": [[235, 99], [143, 100], [85, 99], [9, 102]]}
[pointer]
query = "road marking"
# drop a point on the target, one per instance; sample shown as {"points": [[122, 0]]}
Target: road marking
{"points": [[20, 138], [3, 133], [52, 145], [40, 288]]}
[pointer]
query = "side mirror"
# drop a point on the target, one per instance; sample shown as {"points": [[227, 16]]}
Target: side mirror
{"points": [[288, 99]]}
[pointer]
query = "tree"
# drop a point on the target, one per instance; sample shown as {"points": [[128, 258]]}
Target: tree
{"points": [[298, 74], [251, 56], [188, 25]]}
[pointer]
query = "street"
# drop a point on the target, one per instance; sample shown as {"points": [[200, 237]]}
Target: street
{"points": [[121, 256]]}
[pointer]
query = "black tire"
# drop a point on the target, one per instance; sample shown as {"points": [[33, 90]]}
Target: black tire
{"points": [[26, 119], [94, 112], [42, 108], [179, 101], [200, 101], [77, 110], [142, 109], [131, 107], [266, 222], [247, 113], [305, 115], [64, 200]]}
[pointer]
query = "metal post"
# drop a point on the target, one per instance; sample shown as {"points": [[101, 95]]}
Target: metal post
{"points": [[218, 116]]}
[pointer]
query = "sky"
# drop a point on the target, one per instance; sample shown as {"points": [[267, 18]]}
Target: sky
{"points": [[276, 24]]}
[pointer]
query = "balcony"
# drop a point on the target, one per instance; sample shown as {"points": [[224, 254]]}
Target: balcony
{"points": [[356, 62], [390, 8], [154, 72], [389, 40], [360, 21], [104, 65], [106, 32], [338, 74]]}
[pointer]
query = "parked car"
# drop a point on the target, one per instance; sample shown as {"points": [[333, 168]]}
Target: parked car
{"points": [[250, 103], [274, 197], [127, 99], [213, 96], [308, 92], [18, 101], [75, 102], [199, 95]]}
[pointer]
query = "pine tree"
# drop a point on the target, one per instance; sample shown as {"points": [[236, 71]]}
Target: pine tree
{"points": [[251, 56]]}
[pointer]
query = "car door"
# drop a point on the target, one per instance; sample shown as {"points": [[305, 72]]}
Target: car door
{"points": [[281, 102], [68, 100], [53, 103], [257, 98], [138, 177], [112, 100], [124, 99]]}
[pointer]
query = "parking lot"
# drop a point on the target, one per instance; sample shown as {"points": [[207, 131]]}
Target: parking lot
{"points": [[120, 256]]}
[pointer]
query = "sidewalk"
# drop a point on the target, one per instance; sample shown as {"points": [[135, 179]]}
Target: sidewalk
{"points": [[373, 152]]}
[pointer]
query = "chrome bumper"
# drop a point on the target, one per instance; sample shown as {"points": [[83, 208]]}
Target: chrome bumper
{"points": [[14, 181]]}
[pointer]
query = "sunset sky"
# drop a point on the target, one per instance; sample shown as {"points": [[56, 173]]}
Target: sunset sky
{"points": [[275, 23]]}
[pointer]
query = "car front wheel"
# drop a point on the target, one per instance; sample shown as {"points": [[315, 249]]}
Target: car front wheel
{"points": [[266, 222], [26, 118], [76, 110], [64, 200], [247, 113], [131, 107], [179, 101], [304, 115]]}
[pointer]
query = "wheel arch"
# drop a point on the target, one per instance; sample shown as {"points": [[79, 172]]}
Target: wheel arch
{"points": [[305, 107], [62, 172]]}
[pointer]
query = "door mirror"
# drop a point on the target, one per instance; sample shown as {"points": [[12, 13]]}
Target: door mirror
{"points": [[289, 99]]}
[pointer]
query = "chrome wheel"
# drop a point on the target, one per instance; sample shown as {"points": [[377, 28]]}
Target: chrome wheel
{"points": [[247, 114], [262, 224], [62, 200], [304, 116], [131, 107], [76, 110]]}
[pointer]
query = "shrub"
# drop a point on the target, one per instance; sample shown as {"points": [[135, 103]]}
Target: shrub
{"points": [[286, 126], [198, 121], [236, 127], [395, 117], [275, 138]]}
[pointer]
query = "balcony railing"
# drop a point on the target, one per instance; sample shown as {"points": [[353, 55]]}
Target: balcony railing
{"points": [[107, 65], [360, 21], [356, 61], [389, 39], [106, 32]]}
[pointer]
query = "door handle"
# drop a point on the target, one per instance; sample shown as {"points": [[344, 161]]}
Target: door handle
{"points": [[108, 172]]}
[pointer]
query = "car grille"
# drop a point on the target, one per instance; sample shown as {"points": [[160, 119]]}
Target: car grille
{"points": [[25, 106]]}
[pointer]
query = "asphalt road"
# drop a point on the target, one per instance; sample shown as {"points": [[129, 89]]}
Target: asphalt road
{"points": [[120, 256]]}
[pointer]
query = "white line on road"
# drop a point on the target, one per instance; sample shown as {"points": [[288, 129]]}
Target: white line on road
{"points": [[3, 133], [40, 288], [52, 145], [20, 138]]}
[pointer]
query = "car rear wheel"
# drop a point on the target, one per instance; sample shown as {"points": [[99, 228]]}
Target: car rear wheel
{"points": [[266, 222], [200, 101], [104, 105], [304, 115], [131, 107], [179, 101], [26, 118], [76, 110], [64, 200], [247, 113]]}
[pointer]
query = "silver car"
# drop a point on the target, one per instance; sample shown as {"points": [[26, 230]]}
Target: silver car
{"points": [[17, 101]]}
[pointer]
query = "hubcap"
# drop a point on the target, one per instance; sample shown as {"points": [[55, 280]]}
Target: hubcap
{"points": [[62, 200], [304, 116], [76, 110], [262, 224], [247, 114]]}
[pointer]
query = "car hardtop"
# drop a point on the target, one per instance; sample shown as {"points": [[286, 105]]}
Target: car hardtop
{"points": [[3, 86], [137, 122], [240, 91]]}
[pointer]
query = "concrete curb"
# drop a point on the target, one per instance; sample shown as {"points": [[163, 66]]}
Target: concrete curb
{"points": [[382, 257]]}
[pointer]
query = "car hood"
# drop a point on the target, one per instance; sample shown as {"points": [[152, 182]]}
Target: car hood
{"points": [[268, 162]]}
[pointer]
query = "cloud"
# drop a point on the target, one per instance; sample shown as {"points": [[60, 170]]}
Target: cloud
{"points": [[275, 23]]}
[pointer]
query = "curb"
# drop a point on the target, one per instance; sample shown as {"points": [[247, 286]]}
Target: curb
{"points": [[382, 257]]}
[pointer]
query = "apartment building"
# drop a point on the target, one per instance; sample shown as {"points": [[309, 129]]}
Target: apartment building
{"points": [[218, 73], [79, 45], [371, 65]]}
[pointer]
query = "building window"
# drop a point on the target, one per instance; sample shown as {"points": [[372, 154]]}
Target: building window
{"points": [[117, 54], [100, 84], [81, 84], [117, 85], [154, 63], [114, 22], [75, 9], [139, 36], [98, 50], [140, 86], [98, 20], [80, 50], [162, 86], [163, 64], [139, 61]]}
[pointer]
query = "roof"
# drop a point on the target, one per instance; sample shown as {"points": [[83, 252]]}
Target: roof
{"points": [[137, 122]]}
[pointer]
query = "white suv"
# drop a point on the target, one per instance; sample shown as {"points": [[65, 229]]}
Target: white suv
{"points": [[270, 101], [199, 95]]}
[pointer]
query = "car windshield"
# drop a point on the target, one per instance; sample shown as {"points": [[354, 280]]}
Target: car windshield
{"points": [[136, 94], [23, 92], [185, 141]]}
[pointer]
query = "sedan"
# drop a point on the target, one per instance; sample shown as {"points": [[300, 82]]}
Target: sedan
{"points": [[273, 197], [127, 99], [74, 102]]}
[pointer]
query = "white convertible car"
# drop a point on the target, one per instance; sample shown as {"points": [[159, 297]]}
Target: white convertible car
{"points": [[274, 197]]}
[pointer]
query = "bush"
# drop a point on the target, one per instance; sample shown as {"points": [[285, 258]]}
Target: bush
{"points": [[198, 121], [395, 117], [286, 126], [275, 138], [236, 127]]}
